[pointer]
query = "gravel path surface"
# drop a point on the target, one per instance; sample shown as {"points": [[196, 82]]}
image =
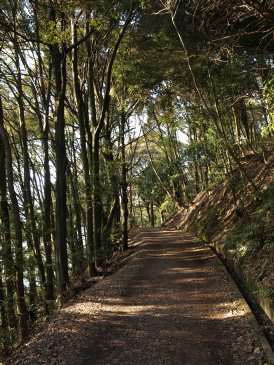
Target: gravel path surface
{"points": [[170, 304]]}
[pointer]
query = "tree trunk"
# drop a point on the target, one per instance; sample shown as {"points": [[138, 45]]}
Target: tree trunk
{"points": [[124, 185], [81, 107], [60, 77], [76, 223], [98, 120], [19, 260], [33, 240], [61, 183], [97, 202], [43, 120], [152, 215], [141, 213], [3, 316], [7, 255]]}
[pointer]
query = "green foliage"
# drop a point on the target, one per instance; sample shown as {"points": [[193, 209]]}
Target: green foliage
{"points": [[266, 292], [167, 207], [269, 90], [269, 246], [149, 187], [144, 4], [256, 235], [216, 176], [3, 338], [270, 127], [55, 34], [247, 241], [206, 225], [101, 23]]}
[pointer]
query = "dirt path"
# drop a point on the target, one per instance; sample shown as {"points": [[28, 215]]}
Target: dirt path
{"points": [[170, 304]]}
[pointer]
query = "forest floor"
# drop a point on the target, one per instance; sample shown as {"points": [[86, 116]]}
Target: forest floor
{"points": [[169, 302]]}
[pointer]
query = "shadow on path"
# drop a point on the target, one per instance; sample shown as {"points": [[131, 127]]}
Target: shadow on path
{"points": [[171, 304]]}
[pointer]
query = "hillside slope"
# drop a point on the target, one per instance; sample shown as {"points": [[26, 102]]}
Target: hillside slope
{"points": [[240, 220]]}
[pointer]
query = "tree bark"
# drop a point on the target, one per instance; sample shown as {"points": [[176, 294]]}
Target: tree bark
{"points": [[44, 130], [98, 120], [60, 77], [19, 260], [33, 238], [81, 107], [124, 185]]}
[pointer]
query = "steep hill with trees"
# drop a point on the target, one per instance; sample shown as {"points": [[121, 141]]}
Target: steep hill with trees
{"points": [[239, 222]]}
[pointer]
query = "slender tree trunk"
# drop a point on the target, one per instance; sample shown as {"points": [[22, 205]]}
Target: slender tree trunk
{"points": [[147, 205], [141, 213], [3, 315], [81, 107], [114, 211], [61, 181], [44, 130], [29, 205], [131, 213], [193, 138], [97, 202], [60, 77], [7, 255], [124, 185], [152, 215], [19, 260], [97, 125], [76, 223], [47, 223]]}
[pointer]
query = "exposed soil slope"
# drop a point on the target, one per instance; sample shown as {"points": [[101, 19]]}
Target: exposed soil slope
{"points": [[170, 304]]}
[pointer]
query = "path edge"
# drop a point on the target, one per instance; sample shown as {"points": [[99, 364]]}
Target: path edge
{"points": [[250, 316]]}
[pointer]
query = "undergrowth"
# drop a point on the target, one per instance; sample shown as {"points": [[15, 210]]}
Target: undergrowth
{"points": [[206, 226]]}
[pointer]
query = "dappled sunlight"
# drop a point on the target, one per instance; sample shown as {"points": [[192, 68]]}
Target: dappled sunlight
{"points": [[162, 254], [220, 311], [167, 297], [190, 280], [108, 308], [185, 271], [231, 309]]}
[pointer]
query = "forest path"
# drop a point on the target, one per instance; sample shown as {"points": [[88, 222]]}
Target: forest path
{"points": [[170, 304]]}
